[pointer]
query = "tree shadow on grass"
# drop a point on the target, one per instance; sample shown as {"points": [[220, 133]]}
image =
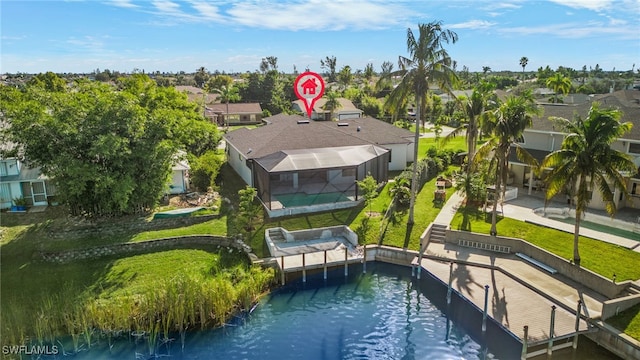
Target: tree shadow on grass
{"points": [[407, 236]]}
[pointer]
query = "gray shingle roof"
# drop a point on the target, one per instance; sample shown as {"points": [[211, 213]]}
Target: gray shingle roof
{"points": [[283, 132], [627, 101], [236, 108]]}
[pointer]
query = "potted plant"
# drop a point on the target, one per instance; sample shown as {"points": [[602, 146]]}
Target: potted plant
{"points": [[19, 204]]}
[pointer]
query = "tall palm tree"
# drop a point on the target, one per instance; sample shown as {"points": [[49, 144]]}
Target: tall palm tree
{"points": [[507, 124], [428, 63], [474, 108], [559, 83], [586, 162], [523, 62], [228, 93]]}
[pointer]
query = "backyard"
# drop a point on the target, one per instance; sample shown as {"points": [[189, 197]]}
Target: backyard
{"points": [[32, 289]]}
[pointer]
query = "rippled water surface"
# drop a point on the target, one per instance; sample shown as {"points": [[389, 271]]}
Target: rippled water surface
{"points": [[379, 315]]}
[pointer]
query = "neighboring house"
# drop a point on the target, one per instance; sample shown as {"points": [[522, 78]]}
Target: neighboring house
{"points": [[299, 166], [179, 183], [346, 110], [544, 137], [19, 181], [238, 113]]}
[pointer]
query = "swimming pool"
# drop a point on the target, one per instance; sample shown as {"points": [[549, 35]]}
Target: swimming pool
{"points": [[303, 199]]}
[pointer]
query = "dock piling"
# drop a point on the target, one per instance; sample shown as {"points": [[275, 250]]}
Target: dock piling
{"points": [[525, 343], [551, 326], [325, 264], [484, 313], [364, 261], [346, 264], [304, 270], [575, 337], [450, 281], [282, 269]]}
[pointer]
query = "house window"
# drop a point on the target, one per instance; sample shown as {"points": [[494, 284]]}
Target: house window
{"points": [[634, 148], [5, 193]]}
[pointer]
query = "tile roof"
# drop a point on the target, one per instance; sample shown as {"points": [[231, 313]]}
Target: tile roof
{"points": [[627, 101], [283, 132]]}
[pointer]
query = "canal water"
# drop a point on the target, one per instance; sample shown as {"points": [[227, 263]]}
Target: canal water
{"points": [[383, 314]]}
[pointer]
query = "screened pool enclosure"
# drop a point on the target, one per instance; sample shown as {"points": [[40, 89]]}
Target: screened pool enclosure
{"points": [[313, 177]]}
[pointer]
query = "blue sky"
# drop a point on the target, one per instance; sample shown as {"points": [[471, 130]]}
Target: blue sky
{"points": [[233, 36]]}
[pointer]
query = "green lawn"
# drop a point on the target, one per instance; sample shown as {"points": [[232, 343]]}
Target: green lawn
{"points": [[601, 257], [628, 321]]}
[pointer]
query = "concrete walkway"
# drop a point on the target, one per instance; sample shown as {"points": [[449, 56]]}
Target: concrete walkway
{"points": [[522, 209], [520, 293]]}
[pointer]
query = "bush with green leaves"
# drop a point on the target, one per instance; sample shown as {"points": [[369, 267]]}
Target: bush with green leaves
{"points": [[204, 170]]}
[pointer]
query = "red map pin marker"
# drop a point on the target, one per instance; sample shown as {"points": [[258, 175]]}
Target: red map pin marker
{"points": [[309, 87]]}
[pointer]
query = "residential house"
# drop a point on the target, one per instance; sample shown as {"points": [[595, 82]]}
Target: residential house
{"points": [[235, 113], [299, 165], [346, 110], [179, 182], [544, 137], [19, 181]]}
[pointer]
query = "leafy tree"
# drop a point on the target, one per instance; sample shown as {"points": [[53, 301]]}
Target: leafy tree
{"points": [[559, 83], [227, 94], [270, 63], [248, 209], [586, 162], [368, 188], [507, 124], [219, 81], [49, 82], [205, 169], [474, 108], [108, 150], [400, 189], [428, 63], [201, 77], [371, 106], [368, 72], [333, 102], [345, 76], [329, 64], [472, 185]]}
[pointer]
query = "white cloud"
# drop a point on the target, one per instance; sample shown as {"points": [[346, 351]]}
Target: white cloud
{"points": [[473, 24], [207, 10], [575, 30], [318, 15], [596, 5], [123, 4]]}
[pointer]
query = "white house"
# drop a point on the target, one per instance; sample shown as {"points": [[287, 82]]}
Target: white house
{"points": [[544, 137], [19, 181], [298, 163]]}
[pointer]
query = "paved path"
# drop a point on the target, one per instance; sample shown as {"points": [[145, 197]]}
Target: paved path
{"points": [[522, 209], [520, 294]]}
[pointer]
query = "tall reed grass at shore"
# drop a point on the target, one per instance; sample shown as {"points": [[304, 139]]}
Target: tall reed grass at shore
{"points": [[154, 308]]}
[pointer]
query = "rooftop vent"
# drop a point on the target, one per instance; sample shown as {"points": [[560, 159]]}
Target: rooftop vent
{"points": [[303, 121], [343, 124]]}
